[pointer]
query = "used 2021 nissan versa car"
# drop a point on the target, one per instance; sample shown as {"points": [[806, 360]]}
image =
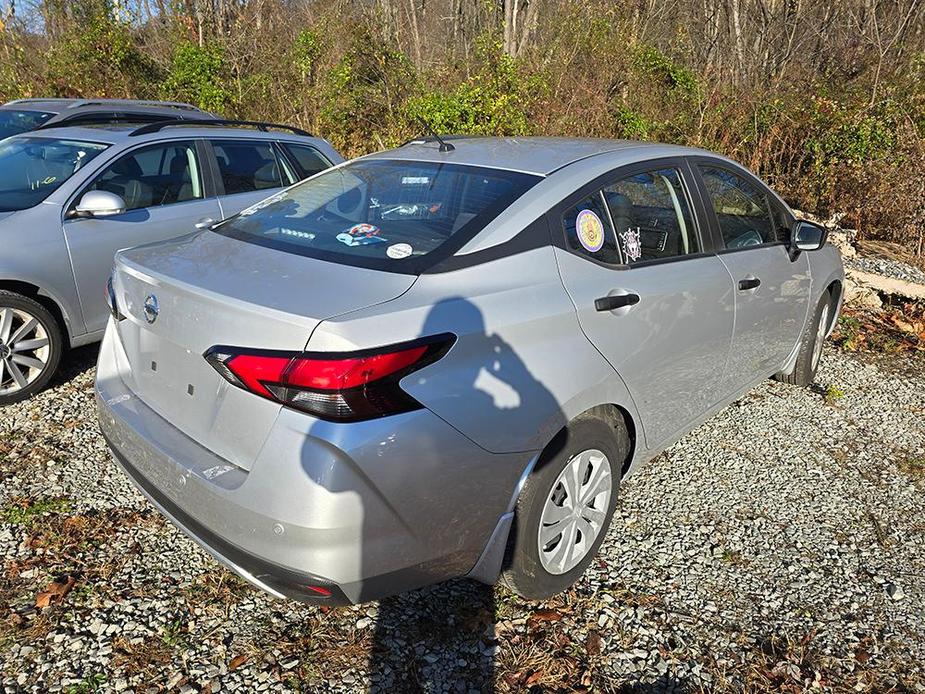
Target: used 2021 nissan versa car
{"points": [[441, 360]]}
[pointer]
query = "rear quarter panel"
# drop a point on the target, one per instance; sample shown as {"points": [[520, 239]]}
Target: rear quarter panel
{"points": [[520, 368]]}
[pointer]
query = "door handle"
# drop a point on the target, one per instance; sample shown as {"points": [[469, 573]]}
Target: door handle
{"points": [[205, 223], [611, 303], [749, 283]]}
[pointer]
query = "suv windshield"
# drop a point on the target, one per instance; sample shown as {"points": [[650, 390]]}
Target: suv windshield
{"points": [[15, 122], [401, 216], [31, 168]]}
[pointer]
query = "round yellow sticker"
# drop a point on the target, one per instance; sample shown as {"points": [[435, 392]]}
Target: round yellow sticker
{"points": [[590, 230]]}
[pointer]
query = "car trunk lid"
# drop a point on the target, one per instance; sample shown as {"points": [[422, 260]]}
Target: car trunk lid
{"points": [[182, 298]]}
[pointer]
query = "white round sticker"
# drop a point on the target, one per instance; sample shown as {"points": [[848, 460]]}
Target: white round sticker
{"points": [[398, 250]]}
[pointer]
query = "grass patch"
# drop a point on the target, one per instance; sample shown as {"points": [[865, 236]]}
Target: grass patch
{"points": [[833, 394], [25, 511], [90, 683]]}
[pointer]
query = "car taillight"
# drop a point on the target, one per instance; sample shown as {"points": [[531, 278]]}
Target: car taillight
{"points": [[111, 301], [341, 386]]}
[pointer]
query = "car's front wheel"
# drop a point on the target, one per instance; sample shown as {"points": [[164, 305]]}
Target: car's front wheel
{"points": [[565, 507], [810, 354], [30, 347]]}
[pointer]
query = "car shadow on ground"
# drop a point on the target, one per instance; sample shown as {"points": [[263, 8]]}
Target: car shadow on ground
{"points": [[435, 639], [75, 362]]}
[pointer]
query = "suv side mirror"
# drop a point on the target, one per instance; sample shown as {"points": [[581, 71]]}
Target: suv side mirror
{"points": [[807, 236], [99, 203]]}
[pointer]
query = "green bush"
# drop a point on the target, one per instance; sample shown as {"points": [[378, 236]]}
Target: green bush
{"points": [[494, 101], [197, 74]]}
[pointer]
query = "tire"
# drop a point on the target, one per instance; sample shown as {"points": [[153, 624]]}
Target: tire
{"points": [[31, 345], [537, 577], [810, 354]]}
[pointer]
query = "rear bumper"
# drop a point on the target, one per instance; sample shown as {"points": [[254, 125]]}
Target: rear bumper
{"points": [[363, 510]]}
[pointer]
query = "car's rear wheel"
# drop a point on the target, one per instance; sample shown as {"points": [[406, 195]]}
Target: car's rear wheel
{"points": [[30, 347], [810, 354], [565, 507]]}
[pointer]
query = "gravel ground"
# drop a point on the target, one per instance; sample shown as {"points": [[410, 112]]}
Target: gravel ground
{"points": [[780, 546], [887, 268]]}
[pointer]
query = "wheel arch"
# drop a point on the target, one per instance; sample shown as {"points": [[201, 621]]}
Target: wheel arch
{"points": [[36, 293]]}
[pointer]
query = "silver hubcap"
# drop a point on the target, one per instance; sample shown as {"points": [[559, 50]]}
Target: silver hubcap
{"points": [[574, 511], [24, 349], [820, 335]]}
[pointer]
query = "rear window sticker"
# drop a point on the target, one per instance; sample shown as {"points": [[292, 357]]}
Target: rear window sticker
{"points": [[632, 245], [361, 235], [415, 180], [399, 250], [349, 240], [590, 231]]}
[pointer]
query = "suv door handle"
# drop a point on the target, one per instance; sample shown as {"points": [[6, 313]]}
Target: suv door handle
{"points": [[611, 303], [749, 283]]}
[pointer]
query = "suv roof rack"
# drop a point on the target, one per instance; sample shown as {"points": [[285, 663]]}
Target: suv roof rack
{"points": [[217, 122], [78, 103], [104, 117]]}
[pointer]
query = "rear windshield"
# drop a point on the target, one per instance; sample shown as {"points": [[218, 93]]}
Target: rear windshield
{"points": [[31, 168], [13, 122], [401, 216]]}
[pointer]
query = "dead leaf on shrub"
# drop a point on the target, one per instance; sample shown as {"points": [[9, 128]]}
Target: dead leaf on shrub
{"points": [[54, 592], [533, 679], [237, 661]]}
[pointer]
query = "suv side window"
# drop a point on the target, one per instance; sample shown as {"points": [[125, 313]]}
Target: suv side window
{"points": [[161, 174], [588, 231], [651, 215], [742, 209], [308, 160], [249, 165]]}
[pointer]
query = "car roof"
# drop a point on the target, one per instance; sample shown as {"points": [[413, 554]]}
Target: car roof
{"points": [[536, 155], [121, 132], [67, 108]]}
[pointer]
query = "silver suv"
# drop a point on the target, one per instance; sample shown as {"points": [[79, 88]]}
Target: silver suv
{"points": [[71, 196], [23, 115]]}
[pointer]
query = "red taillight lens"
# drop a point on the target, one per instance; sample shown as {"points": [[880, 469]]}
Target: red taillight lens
{"points": [[339, 387]]}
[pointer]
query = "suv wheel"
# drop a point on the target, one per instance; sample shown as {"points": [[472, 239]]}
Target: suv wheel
{"points": [[30, 347], [565, 507]]}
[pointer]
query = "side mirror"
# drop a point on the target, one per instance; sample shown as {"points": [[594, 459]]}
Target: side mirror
{"points": [[807, 236], [99, 203]]}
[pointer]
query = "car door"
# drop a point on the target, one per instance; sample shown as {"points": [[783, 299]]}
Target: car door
{"points": [[166, 194], [751, 230], [650, 294], [247, 171]]}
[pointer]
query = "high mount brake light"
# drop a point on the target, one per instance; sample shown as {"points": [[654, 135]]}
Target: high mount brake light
{"points": [[342, 386]]}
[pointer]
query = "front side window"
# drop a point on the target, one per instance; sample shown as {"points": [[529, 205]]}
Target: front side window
{"points": [[32, 168], [390, 215], [158, 175], [741, 209], [246, 166], [651, 216], [13, 122]]}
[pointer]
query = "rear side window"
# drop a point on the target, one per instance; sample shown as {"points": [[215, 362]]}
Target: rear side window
{"points": [[248, 165], [158, 175], [651, 216], [308, 160], [588, 231], [742, 209], [401, 216]]}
